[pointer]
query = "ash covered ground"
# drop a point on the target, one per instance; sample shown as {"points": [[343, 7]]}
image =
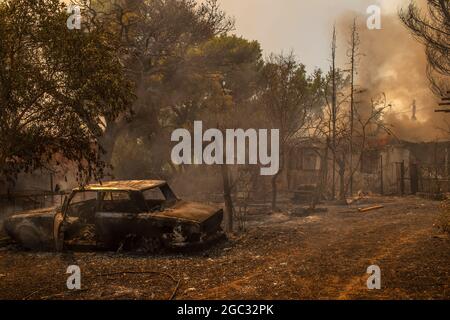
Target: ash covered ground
{"points": [[280, 256]]}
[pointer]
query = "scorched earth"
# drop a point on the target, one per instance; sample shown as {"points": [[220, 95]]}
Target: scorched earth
{"points": [[280, 256]]}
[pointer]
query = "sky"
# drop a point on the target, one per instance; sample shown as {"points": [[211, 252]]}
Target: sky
{"points": [[392, 62], [303, 26]]}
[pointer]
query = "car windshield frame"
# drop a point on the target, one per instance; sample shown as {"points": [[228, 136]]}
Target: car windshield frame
{"points": [[136, 196]]}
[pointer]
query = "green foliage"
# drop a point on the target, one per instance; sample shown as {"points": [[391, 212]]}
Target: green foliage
{"points": [[289, 95], [56, 87], [236, 61], [222, 76], [153, 40], [65, 92], [432, 28]]}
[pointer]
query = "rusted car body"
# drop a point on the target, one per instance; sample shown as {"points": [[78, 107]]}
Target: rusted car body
{"points": [[128, 215]]}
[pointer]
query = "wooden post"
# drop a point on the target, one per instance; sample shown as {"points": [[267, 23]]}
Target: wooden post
{"points": [[446, 170], [414, 177], [381, 175], [334, 109], [402, 178], [51, 182], [436, 173], [51, 189]]}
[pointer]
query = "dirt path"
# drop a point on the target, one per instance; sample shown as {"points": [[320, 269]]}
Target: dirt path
{"points": [[324, 256]]}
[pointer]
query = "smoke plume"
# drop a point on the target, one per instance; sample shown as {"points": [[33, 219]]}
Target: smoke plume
{"points": [[394, 63]]}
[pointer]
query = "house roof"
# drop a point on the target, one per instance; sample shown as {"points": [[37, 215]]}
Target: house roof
{"points": [[127, 185]]}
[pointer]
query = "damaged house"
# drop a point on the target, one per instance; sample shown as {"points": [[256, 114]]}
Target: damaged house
{"points": [[388, 166]]}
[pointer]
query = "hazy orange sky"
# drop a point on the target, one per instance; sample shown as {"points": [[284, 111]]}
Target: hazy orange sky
{"points": [[394, 63], [303, 26]]}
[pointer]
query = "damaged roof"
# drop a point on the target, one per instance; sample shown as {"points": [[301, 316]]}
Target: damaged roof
{"points": [[126, 185]]}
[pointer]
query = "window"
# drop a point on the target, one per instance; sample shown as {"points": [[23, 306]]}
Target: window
{"points": [[159, 198], [370, 162], [116, 196], [310, 161], [82, 205], [154, 194], [119, 202], [83, 196]]}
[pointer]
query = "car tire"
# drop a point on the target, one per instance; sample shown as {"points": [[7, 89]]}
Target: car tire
{"points": [[151, 245], [29, 237]]}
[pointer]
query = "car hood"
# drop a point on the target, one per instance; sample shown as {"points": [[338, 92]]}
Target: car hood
{"points": [[33, 213], [191, 211]]}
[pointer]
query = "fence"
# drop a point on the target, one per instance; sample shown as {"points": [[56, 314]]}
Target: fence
{"points": [[12, 203]]}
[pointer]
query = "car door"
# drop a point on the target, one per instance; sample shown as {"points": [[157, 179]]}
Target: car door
{"points": [[116, 217], [58, 234]]}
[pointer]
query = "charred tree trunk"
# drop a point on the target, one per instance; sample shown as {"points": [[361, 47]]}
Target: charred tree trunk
{"points": [[108, 140], [342, 193], [323, 172], [353, 53], [229, 209], [274, 192], [275, 179], [334, 109]]}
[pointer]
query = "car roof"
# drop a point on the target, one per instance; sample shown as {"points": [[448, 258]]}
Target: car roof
{"points": [[125, 185]]}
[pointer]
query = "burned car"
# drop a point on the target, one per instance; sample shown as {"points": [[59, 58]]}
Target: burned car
{"points": [[118, 215]]}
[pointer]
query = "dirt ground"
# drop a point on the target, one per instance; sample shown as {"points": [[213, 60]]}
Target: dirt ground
{"points": [[281, 256]]}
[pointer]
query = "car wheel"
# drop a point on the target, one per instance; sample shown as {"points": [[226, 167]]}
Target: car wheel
{"points": [[151, 245], [29, 237]]}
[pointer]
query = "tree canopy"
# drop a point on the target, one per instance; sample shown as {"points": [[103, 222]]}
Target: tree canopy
{"points": [[433, 30], [56, 87]]}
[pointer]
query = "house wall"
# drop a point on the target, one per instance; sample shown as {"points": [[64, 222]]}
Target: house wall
{"points": [[38, 182], [302, 167], [393, 156], [431, 159], [433, 163]]}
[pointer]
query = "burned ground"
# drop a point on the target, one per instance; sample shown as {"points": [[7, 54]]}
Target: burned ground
{"points": [[281, 256]]}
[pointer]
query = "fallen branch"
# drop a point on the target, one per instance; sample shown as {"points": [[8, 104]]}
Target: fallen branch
{"points": [[64, 293], [136, 272], [370, 208], [174, 293], [178, 282], [36, 291], [354, 200]]}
